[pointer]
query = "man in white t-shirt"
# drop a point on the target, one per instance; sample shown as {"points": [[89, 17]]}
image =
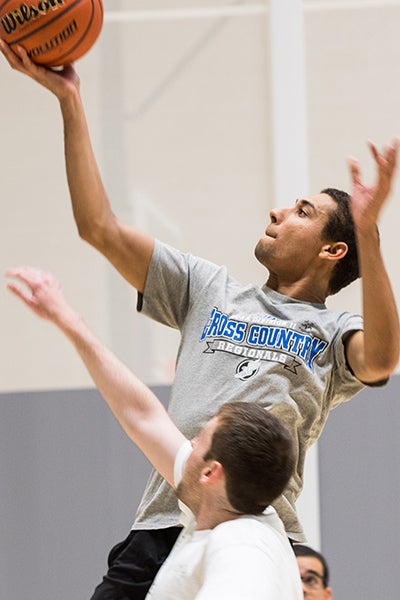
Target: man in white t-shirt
{"points": [[233, 546], [247, 556]]}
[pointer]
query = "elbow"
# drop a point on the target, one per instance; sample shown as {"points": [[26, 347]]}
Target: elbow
{"points": [[383, 368], [390, 367], [390, 360], [84, 231], [89, 232], [95, 231]]}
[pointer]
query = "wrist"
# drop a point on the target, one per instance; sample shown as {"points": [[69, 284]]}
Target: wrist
{"points": [[70, 102], [368, 233]]}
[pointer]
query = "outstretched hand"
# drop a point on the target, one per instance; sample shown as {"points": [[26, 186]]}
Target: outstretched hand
{"points": [[59, 82], [40, 291], [367, 201]]}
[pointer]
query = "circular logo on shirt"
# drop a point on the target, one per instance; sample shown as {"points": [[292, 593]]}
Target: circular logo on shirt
{"points": [[247, 369]]}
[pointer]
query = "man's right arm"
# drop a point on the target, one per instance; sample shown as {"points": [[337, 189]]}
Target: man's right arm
{"points": [[127, 248]]}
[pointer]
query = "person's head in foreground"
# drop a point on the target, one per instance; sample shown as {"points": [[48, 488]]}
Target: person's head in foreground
{"points": [[244, 456]]}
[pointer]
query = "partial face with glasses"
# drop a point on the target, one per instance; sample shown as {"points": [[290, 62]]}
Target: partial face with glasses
{"points": [[312, 578]]}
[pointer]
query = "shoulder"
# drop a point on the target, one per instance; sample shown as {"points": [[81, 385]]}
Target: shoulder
{"points": [[261, 532], [255, 547], [181, 457]]}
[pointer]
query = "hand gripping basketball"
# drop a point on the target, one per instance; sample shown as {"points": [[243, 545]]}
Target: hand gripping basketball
{"points": [[53, 32]]}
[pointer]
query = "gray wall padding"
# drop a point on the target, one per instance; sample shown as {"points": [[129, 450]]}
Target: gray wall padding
{"points": [[359, 462], [70, 484]]}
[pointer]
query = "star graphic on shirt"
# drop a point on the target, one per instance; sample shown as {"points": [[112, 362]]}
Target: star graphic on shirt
{"points": [[307, 326]]}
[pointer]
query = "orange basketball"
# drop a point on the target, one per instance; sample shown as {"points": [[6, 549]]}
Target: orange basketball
{"points": [[53, 32]]}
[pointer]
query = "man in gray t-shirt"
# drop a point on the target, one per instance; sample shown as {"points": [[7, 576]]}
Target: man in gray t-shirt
{"points": [[247, 343], [285, 350]]}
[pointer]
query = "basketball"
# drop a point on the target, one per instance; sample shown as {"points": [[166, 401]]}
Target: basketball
{"points": [[54, 33]]}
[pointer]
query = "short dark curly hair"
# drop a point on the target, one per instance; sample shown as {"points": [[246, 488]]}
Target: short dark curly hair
{"points": [[340, 228]]}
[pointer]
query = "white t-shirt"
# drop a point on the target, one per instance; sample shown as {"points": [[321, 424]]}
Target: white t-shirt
{"points": [[247, 558]]}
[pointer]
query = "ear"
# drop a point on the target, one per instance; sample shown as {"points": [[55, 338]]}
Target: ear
{"points": [[328, 593], [334, 250], [212, 472]]}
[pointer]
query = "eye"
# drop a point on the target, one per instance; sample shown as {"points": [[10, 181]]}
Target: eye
{"points": [[312, 582], [301, 212]]}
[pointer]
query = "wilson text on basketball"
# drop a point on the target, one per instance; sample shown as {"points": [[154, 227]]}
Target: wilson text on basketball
{"points": [[25, 13]]}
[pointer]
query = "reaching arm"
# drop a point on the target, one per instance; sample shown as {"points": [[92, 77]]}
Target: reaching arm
{"points": [[137, 409], [373, 353], [127, 248]]}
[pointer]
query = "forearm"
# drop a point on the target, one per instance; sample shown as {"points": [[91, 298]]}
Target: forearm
{"points": [[133, 404], [136, 408], [130, 401], [381, 321], [90, 204], [129, 249], [374, 353]]}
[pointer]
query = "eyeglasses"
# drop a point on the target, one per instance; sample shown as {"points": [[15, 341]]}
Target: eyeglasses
{"points": [[312, 580]]}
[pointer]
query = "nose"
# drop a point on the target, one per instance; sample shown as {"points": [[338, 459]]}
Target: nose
{"points": [[277, 214]]}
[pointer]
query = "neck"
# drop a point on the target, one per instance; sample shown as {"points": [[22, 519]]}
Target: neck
{"points": [[303, 290], [209, 516]]}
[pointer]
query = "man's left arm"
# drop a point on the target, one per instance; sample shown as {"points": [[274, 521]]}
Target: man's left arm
{"points": [[138, 410], [373, 353]]}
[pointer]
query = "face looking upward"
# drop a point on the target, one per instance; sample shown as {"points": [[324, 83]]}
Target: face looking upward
{"points": [[312, 577], [293, 239]]}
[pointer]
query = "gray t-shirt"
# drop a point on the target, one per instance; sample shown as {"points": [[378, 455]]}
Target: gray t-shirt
{"points": [[244, 343]]}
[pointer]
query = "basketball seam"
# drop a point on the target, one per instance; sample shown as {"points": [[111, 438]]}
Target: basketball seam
{"points": [[62, 56]]}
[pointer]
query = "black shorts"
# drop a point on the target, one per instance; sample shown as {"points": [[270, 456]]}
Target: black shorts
{"points": [[133, 564]]}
